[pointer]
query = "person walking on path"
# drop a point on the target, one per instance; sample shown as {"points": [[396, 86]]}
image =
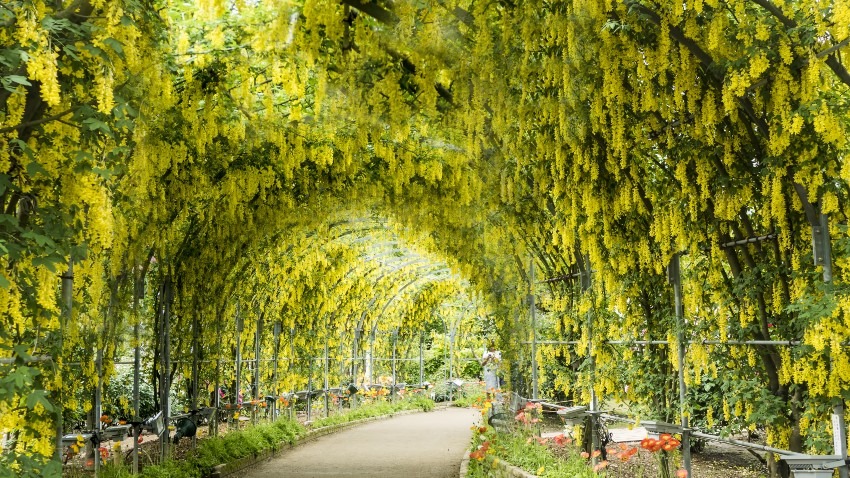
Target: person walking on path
{"points": [[490, 361]]}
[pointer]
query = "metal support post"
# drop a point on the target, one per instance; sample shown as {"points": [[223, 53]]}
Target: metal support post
{"points": [[421, 359], [451, 362], [166, 365], [532, 308], [674, 276], [594, 405], [290, 366], [839, 436], [217, 399], [325, 381], [371, 362], [584, 265], [98, 407], [395, 344], [310, 390], [275, 388], [238, 382], [354, 363], [257, 352], [257, 356], [137, 365], [196, 357], [823, 257], [64, 318]]}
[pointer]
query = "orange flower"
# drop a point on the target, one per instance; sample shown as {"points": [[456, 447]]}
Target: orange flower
{"points": [[585, 455], [647, 443], [596, 453], [682, 473], [674, 442], [665, 436], [626, 455], [601, 465], [482, 430]]}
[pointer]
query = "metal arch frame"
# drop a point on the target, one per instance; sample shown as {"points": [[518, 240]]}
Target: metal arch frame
{"points": [[393, 252], [391, 299]]}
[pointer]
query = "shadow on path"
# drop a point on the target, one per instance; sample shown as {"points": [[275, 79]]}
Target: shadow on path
{"points": [[428, 444]]}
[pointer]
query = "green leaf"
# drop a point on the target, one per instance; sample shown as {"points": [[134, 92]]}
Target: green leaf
{"points": [[24, 147], [95, 51], [21, 80], [71, 51], [39, 239], [39, 397], [4, 282], [116, 45], [82, 156], [102, 172], [95, 124], [49, 262], [52, 468], [34, 168]]}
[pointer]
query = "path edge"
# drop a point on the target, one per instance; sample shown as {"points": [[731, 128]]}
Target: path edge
{"points": [[498, 468]]}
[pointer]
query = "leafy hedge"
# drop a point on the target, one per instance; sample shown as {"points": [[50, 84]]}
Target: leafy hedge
{"points": [[235, 445], [376, 409], [214, 451]]}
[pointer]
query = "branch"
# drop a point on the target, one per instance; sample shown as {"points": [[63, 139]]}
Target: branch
{"points": [[812, 213], [831, 61], [677, 34], [776, 12], [834, 48], [374, 10], [37, 122], [837, 68], [704, 58], [410, 68], [79, 9]]}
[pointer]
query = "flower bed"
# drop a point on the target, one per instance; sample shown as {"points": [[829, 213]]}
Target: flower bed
{"points": [[523, 449], [522, 452]]}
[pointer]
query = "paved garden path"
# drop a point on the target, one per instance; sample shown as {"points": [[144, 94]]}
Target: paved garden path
{"points": [[428, 444]]}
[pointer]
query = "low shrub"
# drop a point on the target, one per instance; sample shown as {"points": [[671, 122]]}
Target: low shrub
{"points": [[214, 451], [376, 409]]}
